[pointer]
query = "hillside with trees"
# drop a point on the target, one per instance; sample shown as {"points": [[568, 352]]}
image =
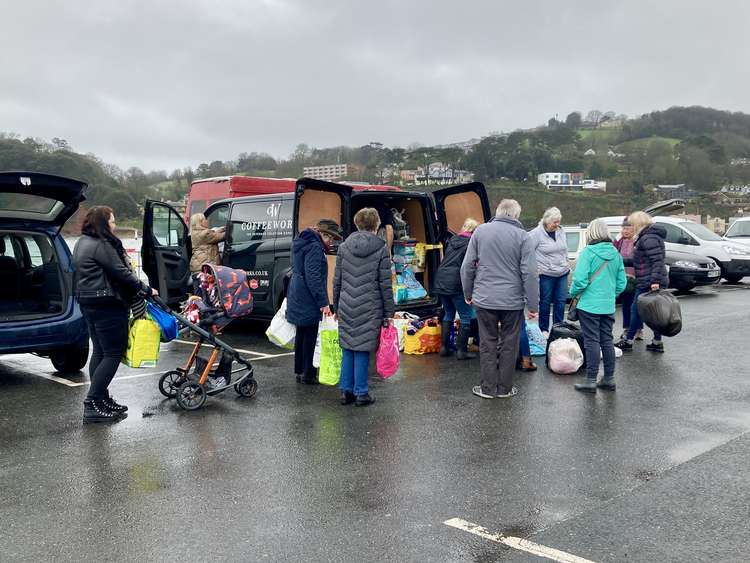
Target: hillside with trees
{"points": [[701, 147]]}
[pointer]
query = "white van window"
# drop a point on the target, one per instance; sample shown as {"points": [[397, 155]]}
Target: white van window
{"points": [[260, 220], [675, 234], [739, 229], [700, 231], [573, 239]]}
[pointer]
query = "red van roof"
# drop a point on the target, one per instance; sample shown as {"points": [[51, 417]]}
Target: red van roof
{"points": [[254, 185]]}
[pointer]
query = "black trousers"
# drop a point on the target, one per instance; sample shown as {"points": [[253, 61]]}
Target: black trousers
{"points": [[108, 329], [498, 348], [304, 348]]}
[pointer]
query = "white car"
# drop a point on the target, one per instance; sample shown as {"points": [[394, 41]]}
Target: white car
{"points": [[739, 231]]}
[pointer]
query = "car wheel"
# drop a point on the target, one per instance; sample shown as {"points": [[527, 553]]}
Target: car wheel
{"points": [[733, 279], [683, 288], [70, 361]]}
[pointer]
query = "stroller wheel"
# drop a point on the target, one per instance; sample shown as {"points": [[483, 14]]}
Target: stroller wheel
{"points": [[247, 387], [191, 395], [170, 382]]}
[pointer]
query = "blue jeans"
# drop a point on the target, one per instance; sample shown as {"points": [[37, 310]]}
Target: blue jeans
{"points": [[456, 303], [354, 367], [597, 339], [553, 291], [636, 323], [627, 307], [525, 348]]}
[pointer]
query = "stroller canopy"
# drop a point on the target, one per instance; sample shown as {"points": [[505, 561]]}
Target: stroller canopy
{"points": [[230, 291]]}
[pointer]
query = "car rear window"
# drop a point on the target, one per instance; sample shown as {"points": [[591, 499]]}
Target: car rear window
{"points": [[27, 203], [573, 239]]}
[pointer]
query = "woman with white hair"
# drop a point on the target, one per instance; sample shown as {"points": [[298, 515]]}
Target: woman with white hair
{"points": [[597, 281], [552, 261]]}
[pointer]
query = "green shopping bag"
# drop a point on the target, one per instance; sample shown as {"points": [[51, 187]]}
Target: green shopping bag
{"points": [[330, 352]]}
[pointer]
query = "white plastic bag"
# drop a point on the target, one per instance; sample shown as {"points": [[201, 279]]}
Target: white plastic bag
{"points": [[281, 332], [564, 356], [326, 324]]}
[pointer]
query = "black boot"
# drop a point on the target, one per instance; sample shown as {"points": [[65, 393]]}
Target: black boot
{"points": [[588, 387], [114, 406], [364, 400], [347, 398], [96, 411], [445, 338], [462, 341]]}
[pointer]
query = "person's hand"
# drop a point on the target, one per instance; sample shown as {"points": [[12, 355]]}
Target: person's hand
{"points": [[335, 317], [326, 310], [154, 292], [533, 315], [469, 301], [655, 286]]}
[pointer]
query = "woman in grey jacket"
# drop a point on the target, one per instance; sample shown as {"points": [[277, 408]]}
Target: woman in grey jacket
{"points": [[552, 261], [362, 300]]}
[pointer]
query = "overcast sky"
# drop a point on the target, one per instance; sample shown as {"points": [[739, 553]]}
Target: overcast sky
{"points": [[163, 84]]}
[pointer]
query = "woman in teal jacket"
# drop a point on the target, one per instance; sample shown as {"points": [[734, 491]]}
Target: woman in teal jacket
{"points": [[598, 279]]}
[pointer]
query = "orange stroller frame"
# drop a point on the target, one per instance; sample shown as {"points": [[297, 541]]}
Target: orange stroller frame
{"points": [[190, 389]]}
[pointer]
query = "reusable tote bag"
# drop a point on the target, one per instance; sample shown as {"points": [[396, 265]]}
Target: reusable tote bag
{"points": [[143, 344], [281, 332], [330, 352], [387, 359]]}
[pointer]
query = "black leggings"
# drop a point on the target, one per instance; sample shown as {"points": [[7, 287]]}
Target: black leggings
{"points": [[304, 348], [108, 328]]}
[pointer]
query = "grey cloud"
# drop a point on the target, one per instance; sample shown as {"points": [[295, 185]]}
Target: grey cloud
{"points": [[167, 84]]}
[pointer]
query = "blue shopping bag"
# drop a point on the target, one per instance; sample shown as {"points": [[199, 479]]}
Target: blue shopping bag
{"points": [[167, 323]]}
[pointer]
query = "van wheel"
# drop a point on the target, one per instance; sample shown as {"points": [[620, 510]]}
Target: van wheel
{"points": [[70, 361]]}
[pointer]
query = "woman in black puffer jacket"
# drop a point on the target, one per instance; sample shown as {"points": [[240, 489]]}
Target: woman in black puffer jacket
{"points": [[650, 272], [105, 287], [448, 288]]}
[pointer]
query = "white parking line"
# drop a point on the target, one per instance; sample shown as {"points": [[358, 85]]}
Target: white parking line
{"points": [[192, 343], [516, 543]]}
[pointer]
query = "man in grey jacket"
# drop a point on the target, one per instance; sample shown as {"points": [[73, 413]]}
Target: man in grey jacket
{"points": [[499, 277]]}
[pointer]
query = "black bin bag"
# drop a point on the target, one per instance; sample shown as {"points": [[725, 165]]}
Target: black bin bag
{"points": [[566, 329], [661, 312]]}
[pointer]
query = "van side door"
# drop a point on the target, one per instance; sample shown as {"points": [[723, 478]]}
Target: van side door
{"points": [[250, 242]]}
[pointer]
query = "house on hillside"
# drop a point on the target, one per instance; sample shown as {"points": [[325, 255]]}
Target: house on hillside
{"points": [[672, 191], [590, 152], [561, 181]]}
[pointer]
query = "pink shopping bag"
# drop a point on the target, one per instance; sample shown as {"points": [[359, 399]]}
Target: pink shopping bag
{"points": [[387, 358]]}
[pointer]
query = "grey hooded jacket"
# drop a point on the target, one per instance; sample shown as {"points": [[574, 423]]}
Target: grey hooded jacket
{"points": [[499, 270], [362, 291], [551, 254]]}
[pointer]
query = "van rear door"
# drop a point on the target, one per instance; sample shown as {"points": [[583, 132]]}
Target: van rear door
{"points": [[456, 204], [166, 251], [315, 200]]}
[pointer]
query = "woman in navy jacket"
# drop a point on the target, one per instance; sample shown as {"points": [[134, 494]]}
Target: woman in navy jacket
{"points": [[307, 296]]}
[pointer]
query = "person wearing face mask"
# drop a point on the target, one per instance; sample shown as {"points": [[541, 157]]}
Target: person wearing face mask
{"points": [[552, 261], [307, 296]]}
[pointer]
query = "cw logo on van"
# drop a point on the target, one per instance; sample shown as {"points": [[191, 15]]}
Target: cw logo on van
{"points": [[273, 210]]}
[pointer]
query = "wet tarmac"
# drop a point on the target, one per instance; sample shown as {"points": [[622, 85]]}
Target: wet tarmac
{"points": [[653, 472]]}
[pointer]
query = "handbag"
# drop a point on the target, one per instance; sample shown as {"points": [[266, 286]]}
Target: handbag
{"points": [[387, 358], [281, 332], [143, 344], [331, 354], [573, 308], [167, 323]]}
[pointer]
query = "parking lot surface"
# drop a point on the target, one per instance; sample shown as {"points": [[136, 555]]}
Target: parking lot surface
{"points": [[653, 472]]}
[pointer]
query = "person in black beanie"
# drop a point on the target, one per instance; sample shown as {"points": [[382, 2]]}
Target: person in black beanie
{"points": [[105, 287]]}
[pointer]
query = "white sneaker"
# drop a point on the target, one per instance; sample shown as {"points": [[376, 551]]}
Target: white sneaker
{"points": [[477, 390], [513, 391]]}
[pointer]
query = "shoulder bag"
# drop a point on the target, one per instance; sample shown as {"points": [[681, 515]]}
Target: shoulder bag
{"points": [[573, 308]]}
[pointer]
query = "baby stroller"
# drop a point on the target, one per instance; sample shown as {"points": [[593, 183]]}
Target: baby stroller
{"points": [[226, 296]]}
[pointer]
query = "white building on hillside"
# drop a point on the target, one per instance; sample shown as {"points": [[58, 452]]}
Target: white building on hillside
{"points": [[329, 172]]}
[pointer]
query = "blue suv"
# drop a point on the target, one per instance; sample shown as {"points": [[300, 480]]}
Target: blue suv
{"points": [[38, 312]]}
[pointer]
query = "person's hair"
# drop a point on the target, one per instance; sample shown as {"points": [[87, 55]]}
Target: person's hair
{"points": [[469, 225], [597, 230], [508, 208], [196, 220], [552, 214], [96, 221], [367, 219], [639, 221], [96, 224]]}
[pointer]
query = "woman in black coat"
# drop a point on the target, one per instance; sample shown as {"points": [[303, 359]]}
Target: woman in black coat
{"points": [[448, 288], [105, 288], [363, 300], [650, 273], [307, 295]]}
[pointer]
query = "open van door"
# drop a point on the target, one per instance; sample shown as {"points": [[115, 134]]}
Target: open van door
{"points": [[315, 200], [166, 251], [456, 204]]}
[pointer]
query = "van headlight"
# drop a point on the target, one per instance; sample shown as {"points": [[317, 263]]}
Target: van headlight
{"points": [[735, 250], [686, 264]]}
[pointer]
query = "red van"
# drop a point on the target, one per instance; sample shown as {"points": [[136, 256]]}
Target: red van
{"points": [[209, 190]]}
